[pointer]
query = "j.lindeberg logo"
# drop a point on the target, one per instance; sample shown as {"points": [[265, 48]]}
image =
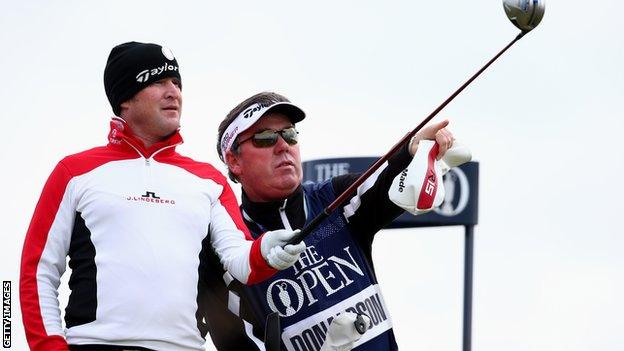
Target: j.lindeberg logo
{"points": [[151, 194], [150, 197], [145, 75]]}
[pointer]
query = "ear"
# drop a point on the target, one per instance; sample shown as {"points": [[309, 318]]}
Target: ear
{"points": [[123, 107], [234, 163]]}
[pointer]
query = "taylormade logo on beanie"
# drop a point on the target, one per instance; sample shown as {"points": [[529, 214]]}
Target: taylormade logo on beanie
{"points": [[133, 66], [145, 75]]}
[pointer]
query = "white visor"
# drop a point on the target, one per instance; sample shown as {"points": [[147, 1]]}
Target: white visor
{"points": [[251, 115]]}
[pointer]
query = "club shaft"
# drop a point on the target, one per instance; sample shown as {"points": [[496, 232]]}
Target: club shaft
{"points": [[353, 187]]}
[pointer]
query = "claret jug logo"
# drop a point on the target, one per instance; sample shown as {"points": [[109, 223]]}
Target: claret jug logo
{"points": [[456, 195], [285, 296]]}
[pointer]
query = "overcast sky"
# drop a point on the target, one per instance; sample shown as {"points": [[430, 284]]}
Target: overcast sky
{"points": [[544, 122]]}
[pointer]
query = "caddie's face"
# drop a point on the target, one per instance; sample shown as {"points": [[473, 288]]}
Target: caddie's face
{"points": [[154, 112], [267, 173]]}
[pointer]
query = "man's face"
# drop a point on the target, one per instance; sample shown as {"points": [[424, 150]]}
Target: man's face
{"points": [[154, 112], [267, 173]]}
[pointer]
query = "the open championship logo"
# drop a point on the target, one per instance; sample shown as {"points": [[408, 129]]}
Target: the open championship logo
{"points": [[285, 297], [457, 193]]}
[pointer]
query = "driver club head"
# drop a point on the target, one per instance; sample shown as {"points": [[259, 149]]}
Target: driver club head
{"points": [[524, 14]]}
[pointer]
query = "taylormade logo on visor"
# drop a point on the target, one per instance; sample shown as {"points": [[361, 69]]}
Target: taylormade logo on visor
{"points": [[145, 75], [251, 115], [243, 121], [255, 108]]}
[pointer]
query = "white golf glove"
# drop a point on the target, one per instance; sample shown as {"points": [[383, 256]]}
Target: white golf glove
{"points": [[343, 333], [419, 188], [457, 155], [276, 252]]}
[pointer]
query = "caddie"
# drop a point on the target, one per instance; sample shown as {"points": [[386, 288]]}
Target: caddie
{"points": [[259, 143]]}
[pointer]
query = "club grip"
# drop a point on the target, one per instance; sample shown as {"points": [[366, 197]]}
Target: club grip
{"points": [[309, 228]]}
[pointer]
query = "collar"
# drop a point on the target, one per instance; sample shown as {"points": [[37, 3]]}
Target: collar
{"points": [[267, 215], [121, 135]]}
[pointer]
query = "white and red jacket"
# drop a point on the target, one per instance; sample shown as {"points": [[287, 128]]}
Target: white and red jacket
{"points": [[136, 224]]}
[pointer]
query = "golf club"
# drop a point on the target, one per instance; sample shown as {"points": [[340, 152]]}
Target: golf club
{"points": [[524, 14]]}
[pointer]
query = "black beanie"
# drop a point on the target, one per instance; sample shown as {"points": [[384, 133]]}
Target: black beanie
{"points": [[133, 66]]}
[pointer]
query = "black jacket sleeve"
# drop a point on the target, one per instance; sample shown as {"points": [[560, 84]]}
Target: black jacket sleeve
{"points": [[225, 328]]}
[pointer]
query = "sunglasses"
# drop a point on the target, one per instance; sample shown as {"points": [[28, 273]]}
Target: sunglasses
{"points": [[267, 138]]}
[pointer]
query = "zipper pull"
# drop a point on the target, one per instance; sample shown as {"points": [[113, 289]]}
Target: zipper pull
{"points": [[147, 162]]}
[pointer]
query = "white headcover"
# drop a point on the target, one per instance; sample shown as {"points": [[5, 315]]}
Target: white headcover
{"points": [[457, 155], [342, 333], [419, 188]]}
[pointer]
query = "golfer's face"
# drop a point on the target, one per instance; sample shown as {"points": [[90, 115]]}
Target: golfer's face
{"points": [[155, 110], [273, 172]]}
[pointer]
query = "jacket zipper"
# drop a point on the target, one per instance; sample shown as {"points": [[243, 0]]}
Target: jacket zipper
{"points": [[148, 170]]}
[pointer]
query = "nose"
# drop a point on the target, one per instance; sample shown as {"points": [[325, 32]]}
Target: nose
{"points": [[281, 145], [172, 90]]}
